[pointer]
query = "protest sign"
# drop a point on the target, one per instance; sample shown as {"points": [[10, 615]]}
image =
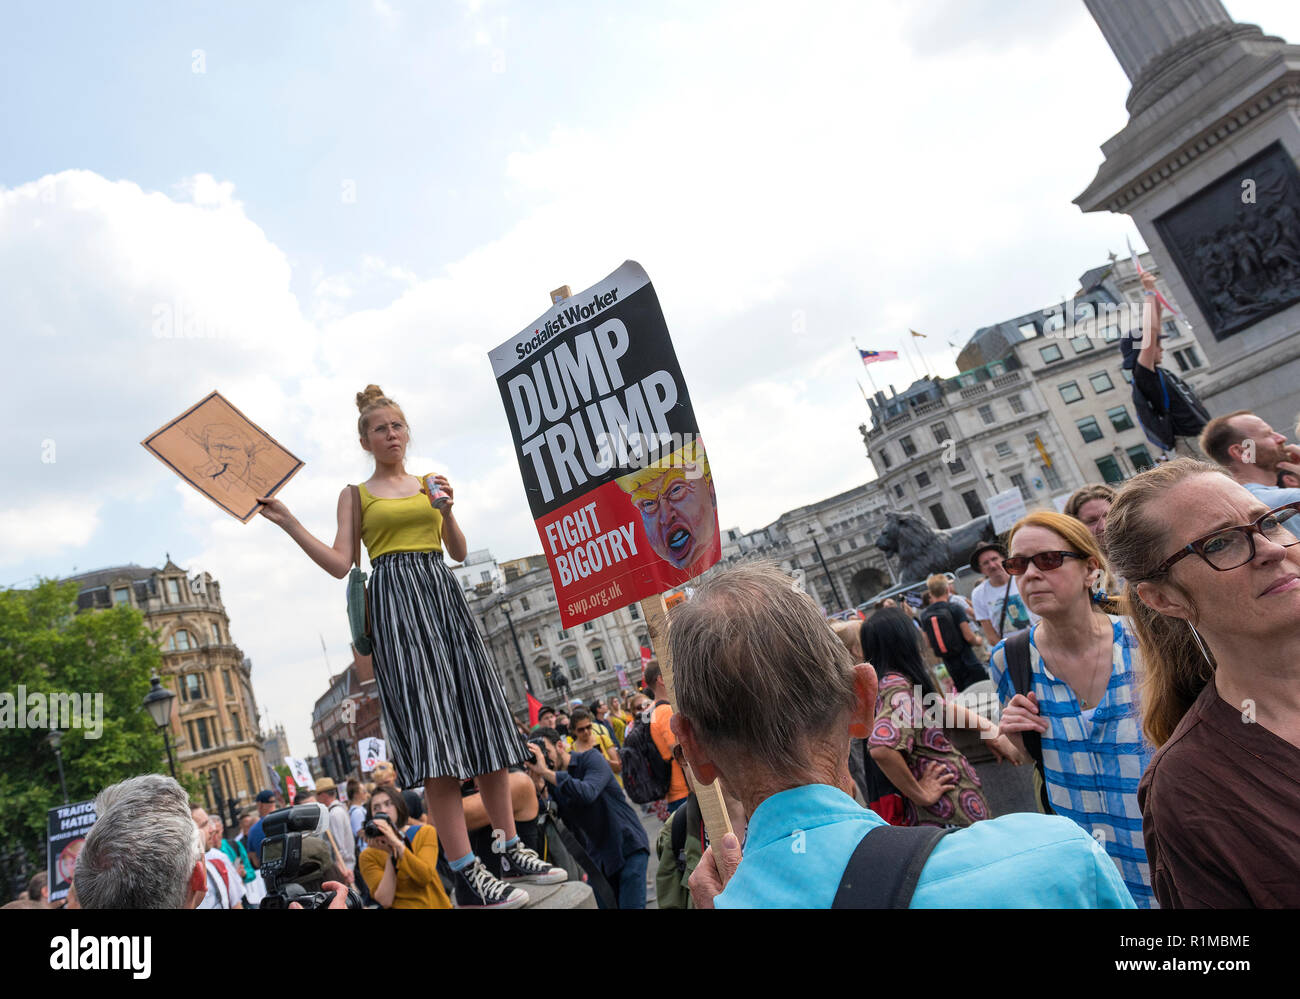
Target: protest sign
{"points": [[616, 477], [224, 455], [1005, 509], [66, 830], [370, 751], [301, 775]]}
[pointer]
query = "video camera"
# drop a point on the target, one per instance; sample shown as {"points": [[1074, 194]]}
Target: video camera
{"points": [[291, 832]]}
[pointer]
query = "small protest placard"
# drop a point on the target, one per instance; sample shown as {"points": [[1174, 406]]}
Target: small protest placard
{"points": [[224, 455], [66, 832], [370, 751]]}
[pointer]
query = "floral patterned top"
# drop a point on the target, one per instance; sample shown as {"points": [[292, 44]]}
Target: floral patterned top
{"points": [[901, 724]]}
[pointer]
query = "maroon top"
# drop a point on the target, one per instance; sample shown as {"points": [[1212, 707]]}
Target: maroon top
{"points": [[1221, 813]]}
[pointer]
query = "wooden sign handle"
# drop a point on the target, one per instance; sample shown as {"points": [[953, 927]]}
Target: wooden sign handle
{"points": [[713, 808]]}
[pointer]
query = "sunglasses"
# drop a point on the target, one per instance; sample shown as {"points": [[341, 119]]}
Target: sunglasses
{"points": [[585, 728], [1046, 561], [1233, 547]]}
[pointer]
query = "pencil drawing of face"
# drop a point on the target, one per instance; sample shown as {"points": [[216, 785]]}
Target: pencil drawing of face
{"points": [[232, 458]]}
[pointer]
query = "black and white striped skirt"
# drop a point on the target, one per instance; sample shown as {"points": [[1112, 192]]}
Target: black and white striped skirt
{"points": [[442, 702]]}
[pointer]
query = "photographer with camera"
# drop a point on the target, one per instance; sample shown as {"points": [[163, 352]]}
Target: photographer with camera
{"points": [[400, 869], [593, 805]]}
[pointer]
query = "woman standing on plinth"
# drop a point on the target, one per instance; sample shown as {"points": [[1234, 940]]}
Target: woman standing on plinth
{"points": [[443, 706]]}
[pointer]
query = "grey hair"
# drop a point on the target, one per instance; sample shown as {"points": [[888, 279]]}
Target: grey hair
{"points": [[141, 849], [757, 671]]}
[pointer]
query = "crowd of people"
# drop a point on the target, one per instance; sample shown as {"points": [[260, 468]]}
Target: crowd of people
{"points": [[1138, 647]]}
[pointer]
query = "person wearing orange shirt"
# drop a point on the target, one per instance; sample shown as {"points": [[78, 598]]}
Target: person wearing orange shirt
{"points": [[663, 736]]}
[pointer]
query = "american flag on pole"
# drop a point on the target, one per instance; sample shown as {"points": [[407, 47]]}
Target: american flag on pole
{"points": [[870, 356]]}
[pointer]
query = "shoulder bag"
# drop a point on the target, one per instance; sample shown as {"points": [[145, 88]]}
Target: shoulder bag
{"points": [[358, 601]]}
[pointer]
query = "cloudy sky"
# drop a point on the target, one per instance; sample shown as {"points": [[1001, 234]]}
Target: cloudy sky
{"points": [[383, 190]]}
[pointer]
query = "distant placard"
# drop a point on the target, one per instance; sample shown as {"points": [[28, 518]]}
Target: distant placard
{"points": [[224, 455], [371, 751], [68, 827], [1006, 508]]}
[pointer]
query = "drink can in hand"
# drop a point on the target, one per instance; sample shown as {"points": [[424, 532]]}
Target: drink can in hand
{"points": [[437, 497]]}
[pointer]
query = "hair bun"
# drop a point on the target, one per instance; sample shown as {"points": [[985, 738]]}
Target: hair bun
{"points": [[371, 393]]}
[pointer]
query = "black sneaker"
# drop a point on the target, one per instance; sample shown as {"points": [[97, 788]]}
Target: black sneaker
{"points": [[519, 863], [476, 888]]}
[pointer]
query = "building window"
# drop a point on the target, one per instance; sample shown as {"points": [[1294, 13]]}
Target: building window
{"points": [[225, 679], [909, 448], [1017, 403], [956, 466], [1140, 457], [1081, 344], [1003, 449], [192, 686], [986, 413], [1088, 429], [1109, 469], [537, 640], [573, 669], [940, 431], [884, 457], [588, 626], [922, 480], [485, 577], [173, 591], [973, 504], [898, 491], [853, 542], [1050, 353], [1049, 474], [562, 633], [1028, 330], [1187, 359], [1101, 382], [180, 641], [598, 656], [523, 602], [1119, 418], [838, 549], [1018, 481], [248, 779], [634, 612], [939, 516], [205, 737], [236, 726], [997, 368], [1070, 391], [1170, 328], [121, 595]]}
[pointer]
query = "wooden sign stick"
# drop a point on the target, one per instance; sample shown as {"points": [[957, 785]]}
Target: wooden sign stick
{"points": [[713, 808]]}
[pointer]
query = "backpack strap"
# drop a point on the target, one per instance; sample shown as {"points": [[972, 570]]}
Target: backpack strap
{"points": [[885, 867], [1006, 595], [356, 526], [1016, 650], [679, 827]]}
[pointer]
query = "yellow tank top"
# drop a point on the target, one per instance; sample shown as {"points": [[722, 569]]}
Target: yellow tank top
{"points": [[408, 524]]}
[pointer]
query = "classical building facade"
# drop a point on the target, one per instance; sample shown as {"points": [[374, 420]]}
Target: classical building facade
{"points": [[215, 726], [1042, 405], [346, 713]]}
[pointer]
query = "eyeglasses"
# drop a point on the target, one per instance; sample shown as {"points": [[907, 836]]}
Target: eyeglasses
{"points": [[1046, 561], [585, 728], [1233, 547]]}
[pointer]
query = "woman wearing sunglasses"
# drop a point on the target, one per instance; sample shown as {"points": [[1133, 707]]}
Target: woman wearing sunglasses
{"points": [[1217, 613], [1071, 703]]}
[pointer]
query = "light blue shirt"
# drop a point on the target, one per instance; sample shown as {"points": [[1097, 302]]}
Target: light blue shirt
{"points": [[1276, 497], [800, 841]]}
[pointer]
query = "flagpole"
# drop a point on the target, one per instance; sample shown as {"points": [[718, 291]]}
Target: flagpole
{"points": [[858, 351], [915, 376], [917, 350]]}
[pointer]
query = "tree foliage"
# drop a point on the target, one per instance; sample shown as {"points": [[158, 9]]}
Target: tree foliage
{"points": [[47, 647]]}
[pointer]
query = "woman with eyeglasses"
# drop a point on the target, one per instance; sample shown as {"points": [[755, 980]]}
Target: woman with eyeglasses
{"points": [[1214, 589], [1068, 687]]}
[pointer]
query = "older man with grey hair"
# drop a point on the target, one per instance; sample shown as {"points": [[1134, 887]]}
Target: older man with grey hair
{"points": [[767, 701], [144, 850]]}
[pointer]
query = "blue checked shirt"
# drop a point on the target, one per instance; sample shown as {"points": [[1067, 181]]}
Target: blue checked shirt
{"points": [[1092, 772]]}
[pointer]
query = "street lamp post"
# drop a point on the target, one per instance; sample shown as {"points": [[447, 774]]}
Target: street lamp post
{"points": [[505, 607], [829, 578], [55, 739], [158, 702]]}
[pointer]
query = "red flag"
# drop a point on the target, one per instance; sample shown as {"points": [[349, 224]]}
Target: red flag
{"points": [[646, 656], [293, 789], [534, 706]]}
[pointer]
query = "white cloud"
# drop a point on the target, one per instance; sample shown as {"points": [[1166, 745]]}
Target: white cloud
{"points": [[54, 524]]}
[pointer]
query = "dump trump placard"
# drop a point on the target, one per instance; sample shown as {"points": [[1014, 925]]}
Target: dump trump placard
{"points": [[615, 473]]}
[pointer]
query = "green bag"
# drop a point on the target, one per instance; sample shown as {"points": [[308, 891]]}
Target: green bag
{"points": [[358, 602]]}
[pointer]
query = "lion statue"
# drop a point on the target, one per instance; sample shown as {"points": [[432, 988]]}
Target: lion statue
{"points": [[922, 550]]}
